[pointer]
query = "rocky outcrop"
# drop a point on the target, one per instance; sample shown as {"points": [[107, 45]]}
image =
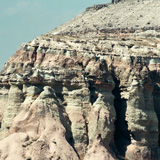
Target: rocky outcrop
{"points": [[83, 96], [116, 1]]}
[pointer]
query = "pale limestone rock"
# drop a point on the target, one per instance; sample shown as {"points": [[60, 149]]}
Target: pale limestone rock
{"points": [[41, 121], [3, 99], [11, 147], [142, 119], [102, 113], [89, 90], [98, 151], [78, 107], [15, 98]]}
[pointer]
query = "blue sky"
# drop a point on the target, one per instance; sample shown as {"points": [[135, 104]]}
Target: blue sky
{"points": [[23, 20]]}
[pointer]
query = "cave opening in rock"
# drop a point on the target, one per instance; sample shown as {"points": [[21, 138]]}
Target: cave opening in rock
{"points": [[122, 135], [93, 93]]}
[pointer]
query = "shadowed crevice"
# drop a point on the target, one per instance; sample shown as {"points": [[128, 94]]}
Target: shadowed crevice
{"points": [[156, 99], [93, 93], [122, 135]]}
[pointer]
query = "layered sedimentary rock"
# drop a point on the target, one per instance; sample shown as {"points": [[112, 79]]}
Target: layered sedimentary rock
{"points": [[84, 95]]}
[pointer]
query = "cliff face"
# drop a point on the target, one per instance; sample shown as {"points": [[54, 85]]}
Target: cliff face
{"points": [[86, 95]]}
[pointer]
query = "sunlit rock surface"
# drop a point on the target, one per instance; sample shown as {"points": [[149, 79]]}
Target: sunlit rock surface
{"points": [[85, 90]]}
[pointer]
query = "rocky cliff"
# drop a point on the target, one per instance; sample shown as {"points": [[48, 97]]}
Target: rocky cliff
{"points": [[89, 89]]}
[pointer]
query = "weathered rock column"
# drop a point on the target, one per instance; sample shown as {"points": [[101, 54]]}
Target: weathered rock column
{"points": [[102, 116], [76, 102], [142, 122], [15, 98], [4, 91], [156, 96]]}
